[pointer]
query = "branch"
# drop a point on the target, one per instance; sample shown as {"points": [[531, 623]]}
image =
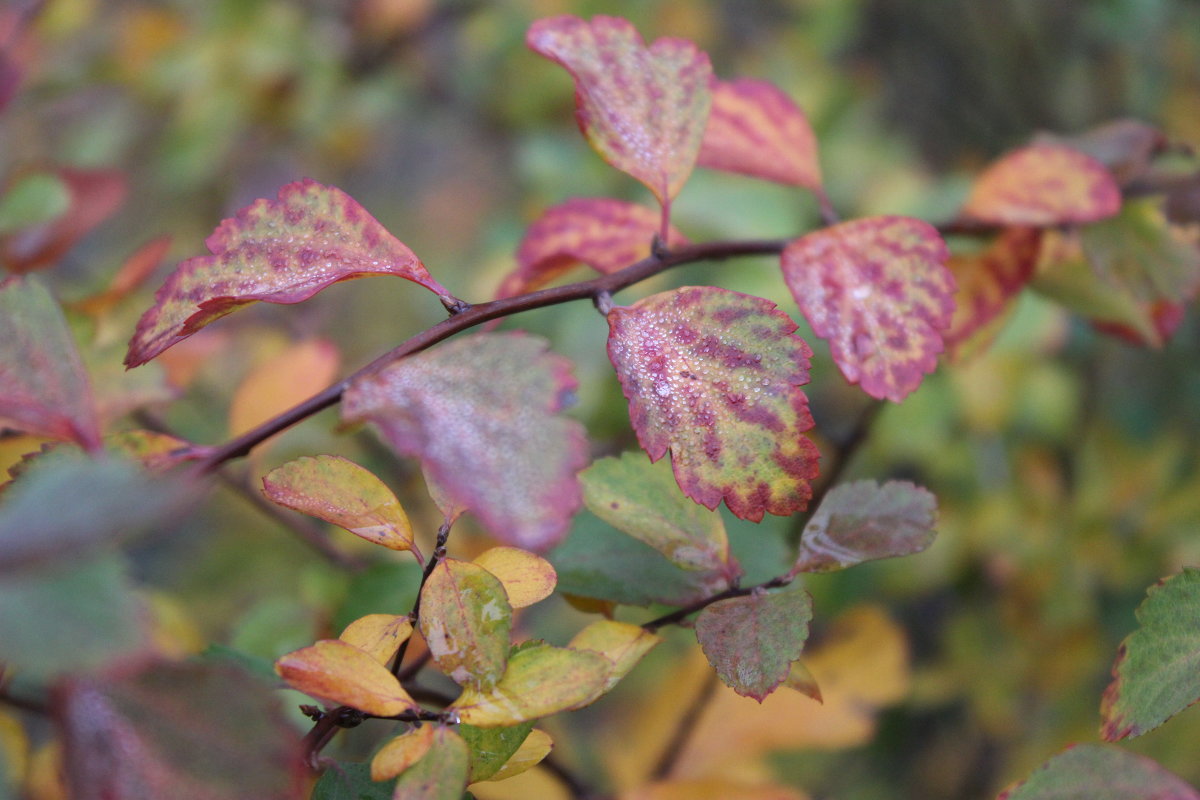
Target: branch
{"points": [[684, 727]]}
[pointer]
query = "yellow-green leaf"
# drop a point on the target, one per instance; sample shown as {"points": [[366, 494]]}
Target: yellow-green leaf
{"points": [[466, 619], [537, 745], [621, 643]]}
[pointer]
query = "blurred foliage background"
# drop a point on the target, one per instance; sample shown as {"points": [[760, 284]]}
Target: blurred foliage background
{"points": [[1065, 461]]}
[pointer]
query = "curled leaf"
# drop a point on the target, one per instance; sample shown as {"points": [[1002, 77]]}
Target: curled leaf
{"points": [[879, 291], [1043, 185], [714, 376], [466, 619], [336, 672], [527, 578], [278, 251]]}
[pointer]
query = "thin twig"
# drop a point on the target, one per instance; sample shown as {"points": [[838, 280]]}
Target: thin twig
{"points": [[681, 614], [439, 552], [684, 728]]}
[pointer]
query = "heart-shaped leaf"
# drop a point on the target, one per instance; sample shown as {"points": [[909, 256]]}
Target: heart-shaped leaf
{"points": [[606, 235], [278, 251], [879, 291], [466, 619], [642, 108], [527, 578], [339, 673], [1100, 772], [479, 412], [715, 377], [755, 129], [987, 283], [863, 521], [1043, 185]]}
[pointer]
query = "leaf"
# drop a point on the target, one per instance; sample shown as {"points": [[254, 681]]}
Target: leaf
{"points": [[95, 195], [339, 491], [43, 386], [347, 780], [756, 129], [466, 618], [491, 748], [987, 283], [339, 673], [441, 774], [641, 499], [132, 274], [1099, 772], [802, 680], [479, 412], [176, 730], [1043, 185], [606, 235], [32, 199], [643, 109], [863, 521], [402, 752], [751, 641], [527, 578], [878, 289], [1155, 674], [531, 752], [1141, 254], [540, 680], [379, 635], [715, 377], [277, 384], [1124, 146], [621, 643], [277, 251]]}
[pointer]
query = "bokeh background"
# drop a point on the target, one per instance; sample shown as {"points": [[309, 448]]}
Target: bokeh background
{"points": [[1065, 461]]}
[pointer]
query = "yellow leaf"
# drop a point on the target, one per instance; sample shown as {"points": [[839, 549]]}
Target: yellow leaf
{"points": [[712, 790], [537, 745], [527, 578], [280, 383], [590, 605], [621, 643], [380, 635], [401, 753], [339, 673]]}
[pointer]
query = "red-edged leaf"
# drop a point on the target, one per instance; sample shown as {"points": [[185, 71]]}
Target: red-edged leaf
{"points": [[466, 619], [714, 376], [479, 412], [277, 251], [643, 109], [341, 674], [1160, 316], [95, 195], [752, 641], [43, 386], [863, 521], [1043, 184], [755, 129], [176, 730], [987, 281], [606, 235], [878, 289], [1100, 772]]}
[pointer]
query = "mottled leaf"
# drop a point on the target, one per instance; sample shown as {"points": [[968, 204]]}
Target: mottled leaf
{"points": [[1156, 673], [441, 774], [278, 251], [1100, 772], [751, 641], [540, 680], [491, 748], [466, 619], [621, 643], [537, 746], [643, 109], [879, 291], [339, 491], [756, 129], [132, 274], [641, 499], [527, 578], [43, 386], [988, 281], [379, 635], [863, 521], [176, 730], [339, 673], [714, 376], [1044, 185], [402, 752], [606, 235], [479, 412], [95, 195]]}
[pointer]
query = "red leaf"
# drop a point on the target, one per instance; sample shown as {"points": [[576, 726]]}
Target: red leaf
{"points": [[96, 194], [277, 251], [755, 129], [606, 235], [479, 412], [878, 289], [43, 386], [643, 109], [988, 280], [715, 377], [1044, 184]]}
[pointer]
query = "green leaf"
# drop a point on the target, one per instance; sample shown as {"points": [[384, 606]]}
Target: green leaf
{"points": [[1157, 671], [466, 619], [752, 641], [33, 199], [350, 780], [714, 376], [1099, 772], [492, 747], [863, 521], [1138, 252]]}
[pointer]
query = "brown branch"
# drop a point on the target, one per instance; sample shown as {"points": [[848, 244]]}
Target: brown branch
{"points": [[684, 728], [573, 784]]}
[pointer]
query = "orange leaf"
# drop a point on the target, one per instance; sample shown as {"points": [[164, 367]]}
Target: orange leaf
{"points": [[276, 385], [379, 635], [988, 281], [527, 578], [339, 673], [401, 753], [1043, 185]]}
